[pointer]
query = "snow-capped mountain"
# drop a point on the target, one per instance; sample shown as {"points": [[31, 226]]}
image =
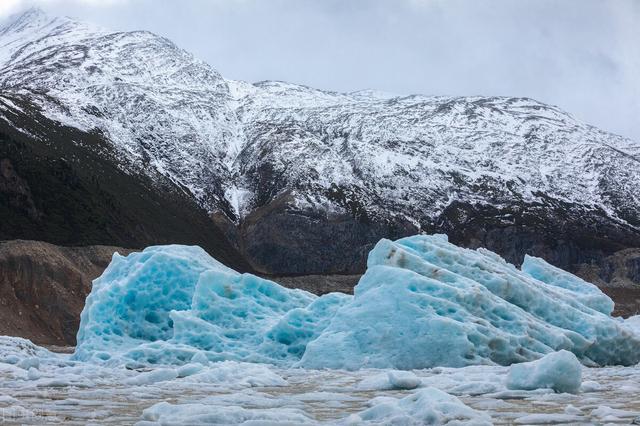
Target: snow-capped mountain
{"points": [[289, 171], [155, 102]]}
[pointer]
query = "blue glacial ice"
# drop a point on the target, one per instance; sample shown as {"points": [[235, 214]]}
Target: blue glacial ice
{"points": [[176, 304], [587, 293], [423, 302]]}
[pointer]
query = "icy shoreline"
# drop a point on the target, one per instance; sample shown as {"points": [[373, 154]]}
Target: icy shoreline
{"points": [[58, 389]]}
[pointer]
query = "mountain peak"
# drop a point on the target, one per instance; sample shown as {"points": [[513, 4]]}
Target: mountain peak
{"points": [[30, 18], [33, 12]]}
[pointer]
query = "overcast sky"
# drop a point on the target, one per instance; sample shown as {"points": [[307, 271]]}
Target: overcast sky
{"points": [[582, 55]]}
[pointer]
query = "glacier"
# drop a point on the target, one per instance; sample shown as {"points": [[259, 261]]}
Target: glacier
{"points": [[423, 302]]}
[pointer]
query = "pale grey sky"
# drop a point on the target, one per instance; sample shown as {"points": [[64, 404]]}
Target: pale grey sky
{"points": [[582, 55]]}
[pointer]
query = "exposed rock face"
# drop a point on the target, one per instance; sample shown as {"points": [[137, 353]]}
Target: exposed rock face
{"points": [[17, 191], [627, 300], [622, 269], [319, 284], [554, 231], [43, 288], [280, 239], [69, 187]]}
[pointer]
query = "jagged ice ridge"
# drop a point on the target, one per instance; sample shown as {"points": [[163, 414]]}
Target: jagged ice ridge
{"points": [[423, 302]]}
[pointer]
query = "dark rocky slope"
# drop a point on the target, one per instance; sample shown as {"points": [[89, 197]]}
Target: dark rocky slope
{"points": [[280, 239], [620, 270], [68, 187]]}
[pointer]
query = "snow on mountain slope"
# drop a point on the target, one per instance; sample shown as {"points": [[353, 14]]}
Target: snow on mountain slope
{"points": [[154, 101], [250, 150], [419, 153]]}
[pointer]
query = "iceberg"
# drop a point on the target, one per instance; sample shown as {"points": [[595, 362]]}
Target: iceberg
{"points": [[176, 305], [560, 371], [403, 379], [428, 406], [423, 302], [164, 413], [130, 303]]}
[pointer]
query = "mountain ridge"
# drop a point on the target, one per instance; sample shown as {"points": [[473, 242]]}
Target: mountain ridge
{"points": [[292, 172]]}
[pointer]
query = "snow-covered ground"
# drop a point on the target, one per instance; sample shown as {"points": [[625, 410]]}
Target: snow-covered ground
{"points": [[40, 387]]}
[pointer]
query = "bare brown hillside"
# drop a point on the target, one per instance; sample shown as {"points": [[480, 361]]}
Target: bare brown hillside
{"points": [[43, 288]]}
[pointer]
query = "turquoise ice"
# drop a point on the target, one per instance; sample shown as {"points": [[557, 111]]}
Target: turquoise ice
{"points": [[175, 304], [422, 302]]}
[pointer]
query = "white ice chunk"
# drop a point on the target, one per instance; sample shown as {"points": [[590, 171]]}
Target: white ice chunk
{"points": [[33, 374], [403, 379], [203, 414], [237, 374], [22, 352], [613, 414], [154, 376], [548, 418], [30, 362], [633, 324], [428, 406], [190, 369], [590, 386], [560, 371]]}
